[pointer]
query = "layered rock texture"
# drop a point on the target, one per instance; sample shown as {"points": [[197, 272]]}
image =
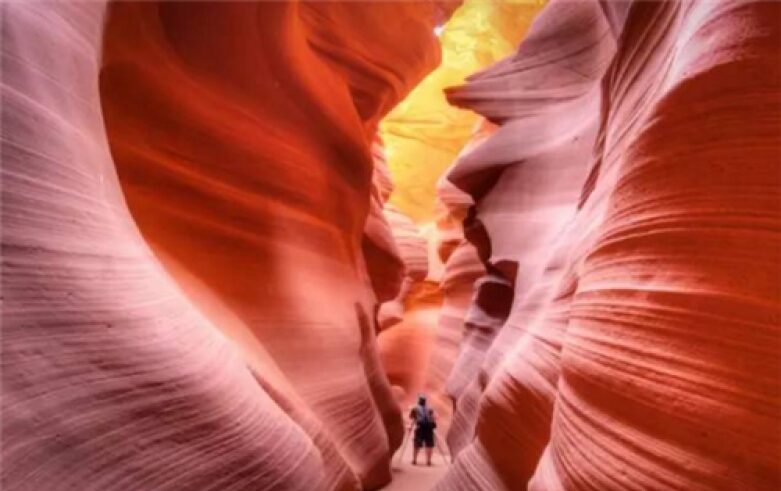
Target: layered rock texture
{"points": [[192, 252], [424, 133], [210, 283], [628, 215]]}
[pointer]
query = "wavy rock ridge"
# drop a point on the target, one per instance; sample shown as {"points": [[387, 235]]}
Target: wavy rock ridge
{"points": [[177, 313], [198, 253], [630, 196]]}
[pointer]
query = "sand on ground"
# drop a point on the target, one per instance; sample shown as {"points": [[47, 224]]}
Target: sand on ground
{"points": [[408, 477]]}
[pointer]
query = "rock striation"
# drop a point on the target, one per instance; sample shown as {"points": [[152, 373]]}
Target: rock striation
{"points": [[630, 197], [189, 275], [207, 285]]}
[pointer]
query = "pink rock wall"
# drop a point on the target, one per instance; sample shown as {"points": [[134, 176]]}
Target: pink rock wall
{"points": [[405, 348], [205, 319], [462, 268], [195, 245], [386, 268], [111, 379], [406, 322], [461, 271], [634, 181], [413, 252], [267, 210], [526, 180]]}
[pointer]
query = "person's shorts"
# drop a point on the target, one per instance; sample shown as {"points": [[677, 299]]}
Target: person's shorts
{"points": [[424, 439]]}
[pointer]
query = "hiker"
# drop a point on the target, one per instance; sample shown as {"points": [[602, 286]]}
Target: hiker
{"points": [[423, 418]]}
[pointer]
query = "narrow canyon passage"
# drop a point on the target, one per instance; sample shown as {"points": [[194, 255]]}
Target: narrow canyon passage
{"points": [[240, 239]]}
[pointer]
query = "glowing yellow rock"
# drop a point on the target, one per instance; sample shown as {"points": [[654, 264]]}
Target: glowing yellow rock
{"points": [[424, 134]]}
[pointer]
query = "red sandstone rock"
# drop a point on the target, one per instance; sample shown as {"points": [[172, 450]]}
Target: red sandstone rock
{"points": [[385, 267], [406, 347], [526, 179], [407, 322], [223, 335], [670, 360], [413, 251], [112, 380], [231, 343], [461, 269], [641, 356]]}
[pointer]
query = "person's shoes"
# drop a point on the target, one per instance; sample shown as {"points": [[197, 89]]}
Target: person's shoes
{"points": [[414, 463], [428, 464]]}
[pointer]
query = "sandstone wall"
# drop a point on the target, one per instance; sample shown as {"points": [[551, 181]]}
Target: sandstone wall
{"points": [[631, 194], [188, 281]]}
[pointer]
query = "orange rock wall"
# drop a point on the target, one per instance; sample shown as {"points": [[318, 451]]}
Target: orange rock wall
{"points": [[631, 195], [196, 242], [188, 272]]}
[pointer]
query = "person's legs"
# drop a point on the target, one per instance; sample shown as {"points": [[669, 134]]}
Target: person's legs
{"points": [[415, 451], [429, 441]]}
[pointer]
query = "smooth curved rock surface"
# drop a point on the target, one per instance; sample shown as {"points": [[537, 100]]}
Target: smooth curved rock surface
{"points": [[413, 252], [386, 268], [275, 90], [424, 134], [206, 319], [462, 267], [526, 179], [406, 347], [641, 350], [680, 285], [196, 242], [111, 379]]}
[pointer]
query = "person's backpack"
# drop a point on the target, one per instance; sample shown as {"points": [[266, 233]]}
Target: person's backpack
{"points": [[424, 418]]}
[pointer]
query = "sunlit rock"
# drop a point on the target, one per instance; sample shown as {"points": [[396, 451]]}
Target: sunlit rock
{"points": [[635, 355], [204, 321]]}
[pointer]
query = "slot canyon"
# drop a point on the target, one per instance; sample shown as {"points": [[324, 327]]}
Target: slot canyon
{"points": [[239, 240]]}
